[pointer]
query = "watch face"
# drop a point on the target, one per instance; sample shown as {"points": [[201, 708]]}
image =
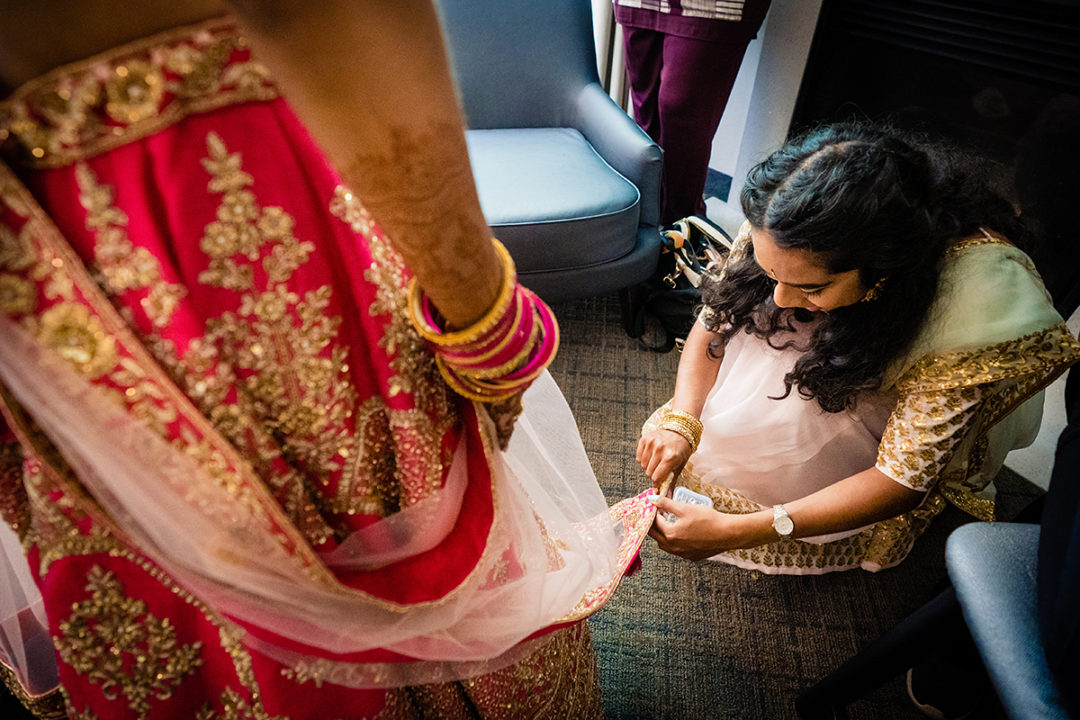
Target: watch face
{"points": [[783, 525]]}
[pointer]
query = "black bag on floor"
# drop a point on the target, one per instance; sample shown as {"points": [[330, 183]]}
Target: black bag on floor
{"points": [[664, 308]]}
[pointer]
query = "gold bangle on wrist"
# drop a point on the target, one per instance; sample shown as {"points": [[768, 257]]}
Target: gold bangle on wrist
{"points": [[481, 327], [685, 424]]}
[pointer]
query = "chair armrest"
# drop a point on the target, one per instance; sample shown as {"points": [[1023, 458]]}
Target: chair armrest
{"points": [[623, 145], [993, 568]]}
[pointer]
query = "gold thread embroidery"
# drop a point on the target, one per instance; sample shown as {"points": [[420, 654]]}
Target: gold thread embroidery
{"points": [[16, 249], [133, 92], [17, 296], [413, 364], [297, 396], [116, 643], [60, 275], [983, 238], [233, 707], [926, 430], [122, 265], [77, 336], [230, 635], [1034, 353], [86, 108], [49, 706]]}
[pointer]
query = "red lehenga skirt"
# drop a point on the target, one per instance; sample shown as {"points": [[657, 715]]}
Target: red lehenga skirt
{"points": [[229, 464]]}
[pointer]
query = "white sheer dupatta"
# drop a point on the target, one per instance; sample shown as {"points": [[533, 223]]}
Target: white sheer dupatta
{"points": [[25, 647], [221, 546]]}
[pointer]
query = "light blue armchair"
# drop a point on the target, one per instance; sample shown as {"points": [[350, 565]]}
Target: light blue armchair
{"points": [[1014, 588], [566, 180]]}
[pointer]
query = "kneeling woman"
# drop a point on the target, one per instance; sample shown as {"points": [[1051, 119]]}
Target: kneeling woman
{"points": [[872, 349]]}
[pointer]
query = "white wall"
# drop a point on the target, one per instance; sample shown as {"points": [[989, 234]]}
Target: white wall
{"points": [[759, 110]]}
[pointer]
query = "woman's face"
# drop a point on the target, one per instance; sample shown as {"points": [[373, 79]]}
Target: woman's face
{"points": [[802, 281]]}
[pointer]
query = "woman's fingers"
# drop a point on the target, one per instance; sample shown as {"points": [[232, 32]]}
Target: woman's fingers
{"points": [[667, 464], [662, 452]]}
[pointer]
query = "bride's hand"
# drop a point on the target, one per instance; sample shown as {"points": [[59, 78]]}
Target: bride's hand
{"points": [[661, 453]]}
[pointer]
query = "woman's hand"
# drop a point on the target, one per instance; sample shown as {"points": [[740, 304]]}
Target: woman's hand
{"points": [[698, 532], [859, 500], [662, 453]]}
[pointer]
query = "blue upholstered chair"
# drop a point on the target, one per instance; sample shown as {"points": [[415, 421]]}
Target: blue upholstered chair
{"points": [[566, 180], [993, 568], [1016, 589]]}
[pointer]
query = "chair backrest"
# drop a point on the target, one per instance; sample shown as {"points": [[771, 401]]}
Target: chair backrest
{"points": [[519, 63], [1059, 558]]}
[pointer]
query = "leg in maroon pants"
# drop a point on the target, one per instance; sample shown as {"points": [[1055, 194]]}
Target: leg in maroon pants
{"points": [[679, 87], [644, 60]]}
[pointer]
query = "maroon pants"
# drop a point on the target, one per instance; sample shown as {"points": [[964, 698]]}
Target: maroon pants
{"points": [[679, 87]]}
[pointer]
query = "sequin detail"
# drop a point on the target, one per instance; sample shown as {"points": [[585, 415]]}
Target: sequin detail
{"points": [[117, 644], [86, 108]]}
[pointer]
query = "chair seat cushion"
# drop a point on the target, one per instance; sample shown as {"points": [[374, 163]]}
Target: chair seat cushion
{"points": [[551, 199], [993, 566]]}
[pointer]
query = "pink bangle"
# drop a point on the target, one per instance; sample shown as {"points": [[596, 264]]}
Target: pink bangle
{"points": [[493, 352], [499, 356], [549, 345]]}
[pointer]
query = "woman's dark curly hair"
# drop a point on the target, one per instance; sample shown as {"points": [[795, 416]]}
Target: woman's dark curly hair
{"points": [[863, 197]]}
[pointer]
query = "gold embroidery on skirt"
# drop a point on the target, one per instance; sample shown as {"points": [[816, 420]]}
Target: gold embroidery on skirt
{"points": [[413, 364], [121, 264], [139, 383], [77, 336], [113, 641], [17, 296]]}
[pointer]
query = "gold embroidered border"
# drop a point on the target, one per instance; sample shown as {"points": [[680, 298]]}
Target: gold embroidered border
{"points": [[883, 544], [52, 520], [985, 237], [1043, 352], [637, 515], [14, 504], [80, 110], [49, 706], [319, 671]]}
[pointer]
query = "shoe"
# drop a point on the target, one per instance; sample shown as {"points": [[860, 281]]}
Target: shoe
{"points": [[938, 695]]}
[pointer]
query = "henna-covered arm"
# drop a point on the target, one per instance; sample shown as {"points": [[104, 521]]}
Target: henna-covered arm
{"points": [[371, 81]]}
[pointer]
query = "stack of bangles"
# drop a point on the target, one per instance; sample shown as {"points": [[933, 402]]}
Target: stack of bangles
{"points": [[683, 423], [502, 352]]}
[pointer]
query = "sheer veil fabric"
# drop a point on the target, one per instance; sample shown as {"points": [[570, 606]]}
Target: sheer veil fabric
{"points": [[213, 545], [245, 245]]}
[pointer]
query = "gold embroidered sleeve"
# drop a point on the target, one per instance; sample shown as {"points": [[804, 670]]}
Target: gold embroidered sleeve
{"points": [[924, 431]]}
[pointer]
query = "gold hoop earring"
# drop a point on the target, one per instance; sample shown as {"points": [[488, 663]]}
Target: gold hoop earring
{"points": [[875, 292]]}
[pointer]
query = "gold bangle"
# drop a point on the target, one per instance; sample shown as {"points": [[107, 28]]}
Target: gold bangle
{"points": [[478, 329], [466, 361], [507, 367], [685, 424], [469, 389], [684, 417], [683, 431]]}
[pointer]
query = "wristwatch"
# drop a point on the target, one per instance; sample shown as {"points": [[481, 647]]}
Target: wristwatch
{"points": [[781, 522]]}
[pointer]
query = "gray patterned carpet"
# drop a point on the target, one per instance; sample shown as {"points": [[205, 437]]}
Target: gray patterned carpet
{"points": [[689, 641]]}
